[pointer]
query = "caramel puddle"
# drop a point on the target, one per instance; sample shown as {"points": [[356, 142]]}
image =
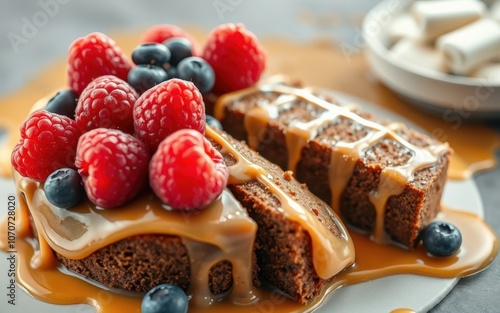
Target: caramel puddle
{"points": [[474, 145], [479, 248]]}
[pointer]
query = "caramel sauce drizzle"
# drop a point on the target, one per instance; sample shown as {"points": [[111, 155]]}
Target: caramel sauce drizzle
{"points": [[474, 153], [331, 254], [38, 271], [479, 248], [84, 229], [393, 179]]}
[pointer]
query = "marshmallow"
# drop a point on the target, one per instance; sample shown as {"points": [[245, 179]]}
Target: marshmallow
{"points": [[419, 54], [489, 72], [470, 46], [435, 18], [403, 26]]}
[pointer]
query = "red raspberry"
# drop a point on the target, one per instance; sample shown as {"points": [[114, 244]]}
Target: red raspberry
{"points": [[166, 108], [48, 142], [187, 172], [106, 102], [92, 56], [113, 166], [236, 56], [160, 33]]}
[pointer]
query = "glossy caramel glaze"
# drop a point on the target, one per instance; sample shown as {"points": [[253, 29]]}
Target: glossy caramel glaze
{"points": [[470, 156], [479, 248], [222, 231]]}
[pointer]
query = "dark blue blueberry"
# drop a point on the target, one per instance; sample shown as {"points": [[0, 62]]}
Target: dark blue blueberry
{"points": [[63, 188], [180, 49], [63, 103], [213, 122], [142, 77], [151, 53], [441, 238], [172, 72], [165, 298], [198, 71]]}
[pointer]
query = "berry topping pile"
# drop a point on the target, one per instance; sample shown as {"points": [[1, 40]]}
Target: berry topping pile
{"points": [[165, 298], [187, 171], [125, 119]]}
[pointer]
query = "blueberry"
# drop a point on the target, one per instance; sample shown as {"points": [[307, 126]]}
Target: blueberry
{"points": [[63, 188], [151, 53], [441, 238], [142, 77], [63, 103], [198, 71], [165, 298], [180, 48], [172, 72], [213, 122]]}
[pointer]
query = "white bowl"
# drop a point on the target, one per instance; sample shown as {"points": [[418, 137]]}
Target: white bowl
{"points": [[447, 95]]}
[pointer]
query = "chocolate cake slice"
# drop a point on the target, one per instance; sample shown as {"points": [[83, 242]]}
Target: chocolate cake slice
{"points": [[264, 226], [380, 176]]}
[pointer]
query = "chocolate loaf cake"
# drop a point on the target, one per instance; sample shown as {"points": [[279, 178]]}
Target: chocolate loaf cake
{"points": [[380, 176], [265, 226]]}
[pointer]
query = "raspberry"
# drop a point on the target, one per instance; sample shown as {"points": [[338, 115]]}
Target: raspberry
{"points": [[187, 172], [236, 56], [48, 142], [113, 166], [92, 56], [106, 102], [166, 108], [160, 33]]}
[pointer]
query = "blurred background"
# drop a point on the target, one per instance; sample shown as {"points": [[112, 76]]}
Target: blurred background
{"points": [[34, 34]]}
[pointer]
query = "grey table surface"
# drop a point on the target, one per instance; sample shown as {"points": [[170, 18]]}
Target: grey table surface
{"points": [[69, 19]]}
